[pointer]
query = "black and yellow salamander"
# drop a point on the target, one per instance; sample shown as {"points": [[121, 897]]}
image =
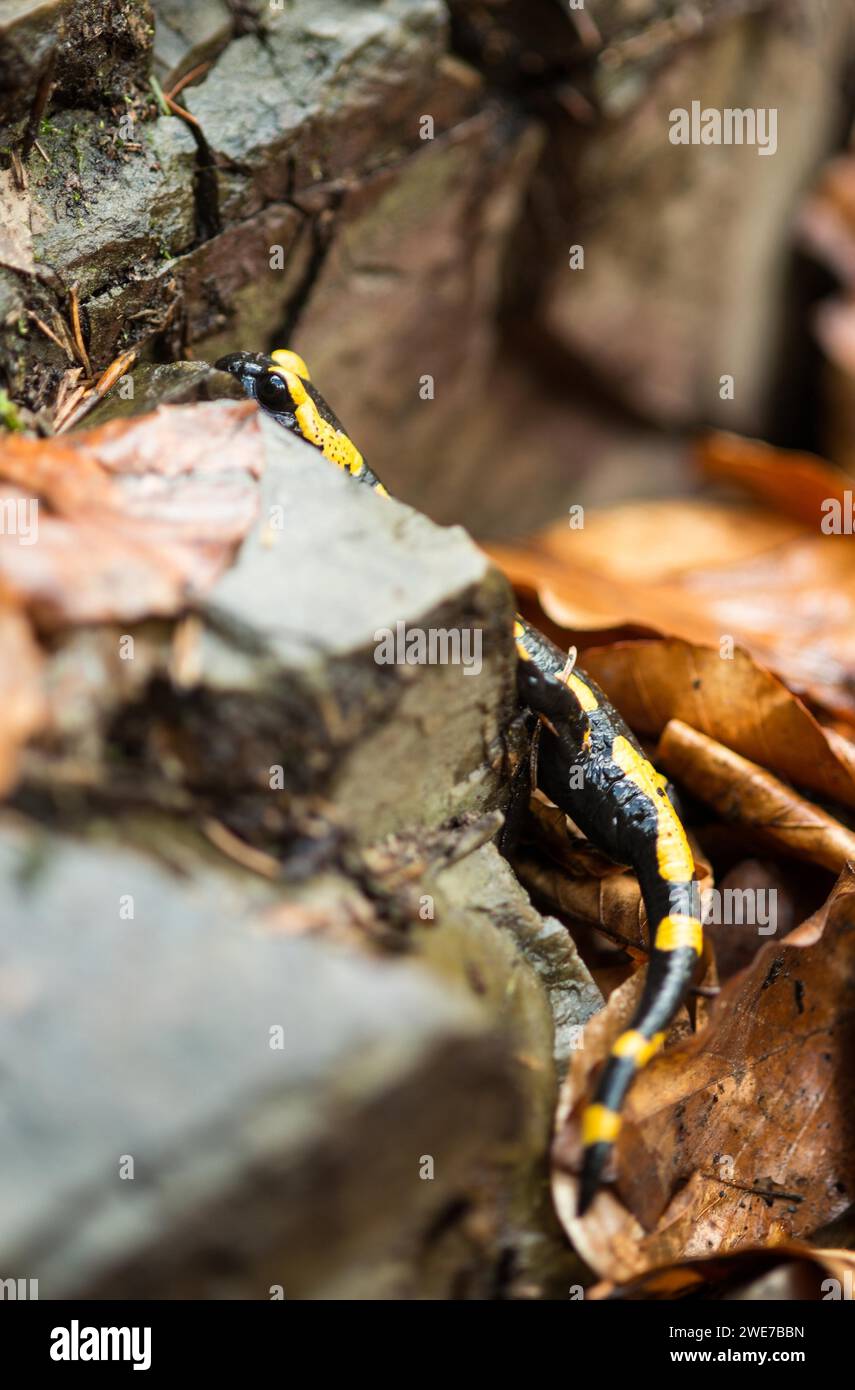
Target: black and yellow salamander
{"points": [[587, 761]]}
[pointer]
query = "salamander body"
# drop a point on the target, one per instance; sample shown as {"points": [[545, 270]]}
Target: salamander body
{"points": [[588, 763]]}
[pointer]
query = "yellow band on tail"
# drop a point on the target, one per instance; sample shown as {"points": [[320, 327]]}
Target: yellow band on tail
{"points": [[635, 1045], [599, 1125], [679, 930]]}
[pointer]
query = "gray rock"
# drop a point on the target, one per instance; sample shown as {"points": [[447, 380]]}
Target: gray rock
{"points": [[91, 52], [149, 1040], [699, 290], [172, 383], [525, 971], [99, 213], [187, 35], [283, 697], [331, 90], [291, 641]]}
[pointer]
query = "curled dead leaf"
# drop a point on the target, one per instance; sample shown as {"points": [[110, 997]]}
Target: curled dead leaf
{"points": [[734, 701], [790, 1270], [706, 573], [134, 518], [747, 795]]}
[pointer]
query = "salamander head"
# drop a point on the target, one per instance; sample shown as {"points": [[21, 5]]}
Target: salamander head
{"points": [[262, 381]]}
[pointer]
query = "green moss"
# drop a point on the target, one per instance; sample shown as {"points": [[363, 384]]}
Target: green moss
{"points": [[9, 417]]}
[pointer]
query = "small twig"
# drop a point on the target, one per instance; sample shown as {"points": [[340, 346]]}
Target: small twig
{"points": [[19, 171], [46, 157], [116, 369], [186, 80], [39, 105], [168, 107], [40, 324], [180, 111], [755, 1191], [69, 380], [62, 415], [238, 850], [78, 331], [78, 409], [159, 96]]}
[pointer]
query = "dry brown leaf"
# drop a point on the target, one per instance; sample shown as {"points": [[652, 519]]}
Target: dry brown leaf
{"points": [[809, 1273], [747, 795], [734, 701], [797, 485], [135, 517], [742, 1135], [23, 707], [706, 573]]}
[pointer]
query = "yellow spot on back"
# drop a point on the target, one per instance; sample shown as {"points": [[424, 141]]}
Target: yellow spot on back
{"points": [[635, 1045], [291, 362], [333, 443], [599, 1125], [673, 854], [679, 930], [519, 633], [584, 694]]}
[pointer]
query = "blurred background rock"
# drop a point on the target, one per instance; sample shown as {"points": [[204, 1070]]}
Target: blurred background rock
{"points": [[425, 170]]}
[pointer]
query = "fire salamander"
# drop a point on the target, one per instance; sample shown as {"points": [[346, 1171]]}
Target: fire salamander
{"points": [[620, 802]]}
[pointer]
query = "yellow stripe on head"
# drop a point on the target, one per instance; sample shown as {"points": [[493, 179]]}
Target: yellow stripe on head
{"points": [[635, 1045], [674, 857], [599, 1125], [333, 443], [679, 930], [291, 362]]}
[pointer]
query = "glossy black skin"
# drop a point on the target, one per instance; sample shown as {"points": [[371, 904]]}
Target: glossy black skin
{"points": [[620, 820]]}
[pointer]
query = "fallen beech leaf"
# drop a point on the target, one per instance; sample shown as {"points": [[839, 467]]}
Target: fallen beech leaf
{"points": [[746, 794], [813, 1274], [135, 517], [609, 572], [705, 572], [22, 701], [750, 892], [797, 485], [741, 1135], [735, 701]]}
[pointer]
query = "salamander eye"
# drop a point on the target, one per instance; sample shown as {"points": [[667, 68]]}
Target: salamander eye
{"points": [[272, 392]]}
